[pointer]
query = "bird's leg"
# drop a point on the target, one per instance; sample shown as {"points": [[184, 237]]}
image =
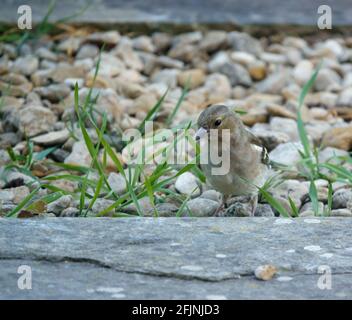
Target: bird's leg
{"points": [[242, 206], [253, 202], [221, 207]]}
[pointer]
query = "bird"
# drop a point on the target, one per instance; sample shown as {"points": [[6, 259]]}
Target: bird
{"points": [[221, 132]]}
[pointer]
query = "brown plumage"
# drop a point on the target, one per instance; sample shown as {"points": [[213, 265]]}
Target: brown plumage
{"points": [[247, 160]]}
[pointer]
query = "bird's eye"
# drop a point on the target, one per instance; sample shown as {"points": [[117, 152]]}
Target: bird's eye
{"points": [[217, 122]]}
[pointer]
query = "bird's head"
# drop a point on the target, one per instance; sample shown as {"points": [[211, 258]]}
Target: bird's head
{"points": [[218, 117]]}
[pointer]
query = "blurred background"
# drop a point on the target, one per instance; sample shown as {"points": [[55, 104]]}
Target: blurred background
{"points": [[243, 12]]}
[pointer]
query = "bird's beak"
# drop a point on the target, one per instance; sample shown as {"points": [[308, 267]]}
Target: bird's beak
{"points": [[200, 133]]}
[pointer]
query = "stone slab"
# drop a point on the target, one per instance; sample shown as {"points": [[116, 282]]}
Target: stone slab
{"points": [[240, 12], [176, 258]]}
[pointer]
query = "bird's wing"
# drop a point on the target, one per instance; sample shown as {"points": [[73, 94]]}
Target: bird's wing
{"points": [[253, 139]]}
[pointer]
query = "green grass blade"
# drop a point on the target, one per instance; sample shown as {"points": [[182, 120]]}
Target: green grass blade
{"points": [[293, 207], [313, 195], [152, 113], [96, 194], [274, 203], [22, 204], [178, 104]]}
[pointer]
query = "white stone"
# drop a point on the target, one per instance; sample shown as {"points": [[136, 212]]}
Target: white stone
{"points": [[312, 248]]}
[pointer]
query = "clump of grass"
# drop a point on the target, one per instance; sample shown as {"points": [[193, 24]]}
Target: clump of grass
{"points": [[154, 186], [310, 167]]}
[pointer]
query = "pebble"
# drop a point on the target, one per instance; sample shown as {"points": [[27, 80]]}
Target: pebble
{"points": [[34, 120], [241, 41], [265, 272], [327, 80], [117, 183], [341, 213], [54, 92], [264, 210], [287, 153], [101, 205], [109, 38], [303, 71], [193, 78], [339, 137], [212, 195], [26, 65], [79, 155], [60, 204], [15, 195], [312, 248], [201, 207], [187, 184], [236, 73], [52, 138]]}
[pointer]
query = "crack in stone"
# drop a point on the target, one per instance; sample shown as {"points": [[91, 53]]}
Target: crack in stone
{"points": [[171, 275]]}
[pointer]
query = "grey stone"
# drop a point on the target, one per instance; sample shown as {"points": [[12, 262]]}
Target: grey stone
{"points": [[70, 44], [110, 38], [102, 204], [341, 197], [345, 97], [15, 195], [162, 251], [287, 153], [26, 65], [328, 153], [6, 207], [239, 209], [60, 204], [70, 212], [52, 138], [34, 120], [212, 195], [241, 41], [4, 158], [274, 83], [143, 43], [213, 40], [59, 155], [145, 207], [163, 210], [201, 207], [236, 73], [54, 92], [87, 51], [168, 62], [167, 76], [8, 139], [308, 206], [117, 183], [45, 53], [218, 60], [264, 210], [341, 213], [80, 154], [270, 138], [327, 80]]}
